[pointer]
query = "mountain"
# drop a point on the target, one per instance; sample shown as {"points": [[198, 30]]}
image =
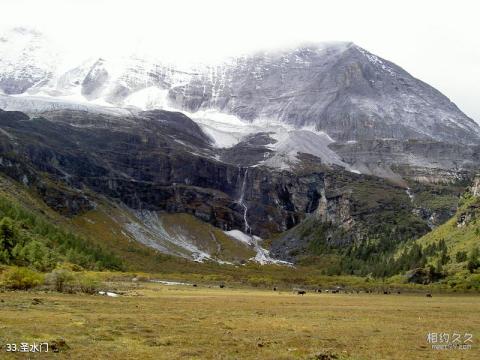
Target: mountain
{"points": [[335, 101], [158, 162], [316, 154], [338, 88]]}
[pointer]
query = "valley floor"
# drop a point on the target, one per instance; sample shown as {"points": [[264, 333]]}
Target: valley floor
{"points": [[155, 321]]}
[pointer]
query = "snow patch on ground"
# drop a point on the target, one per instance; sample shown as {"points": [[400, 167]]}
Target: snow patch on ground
{"points": [[240, 236], [170, 283], [148, 99], [292, 142], [150, 231], [263, 255], [38, 104], [226, 130]]}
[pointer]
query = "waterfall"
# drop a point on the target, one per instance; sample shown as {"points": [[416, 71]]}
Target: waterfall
{"points": [[262, 255], [409, 193], [241, 201]]}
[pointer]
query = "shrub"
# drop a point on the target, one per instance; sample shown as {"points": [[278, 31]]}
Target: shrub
{"points": [[8, 238], [60, 279], [474, 260], [20, 278], [472, 265], [461, 256], [36, 254], [88, 283], [261, 281]]}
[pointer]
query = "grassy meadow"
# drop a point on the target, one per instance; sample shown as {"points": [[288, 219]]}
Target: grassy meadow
{"points": [[155, 321], [53, 268]]}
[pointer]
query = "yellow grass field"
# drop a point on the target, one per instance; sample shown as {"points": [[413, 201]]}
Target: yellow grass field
{"points": [[154, 321]]}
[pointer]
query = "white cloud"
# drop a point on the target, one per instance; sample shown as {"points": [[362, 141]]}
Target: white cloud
{"points": [[437, 41]]}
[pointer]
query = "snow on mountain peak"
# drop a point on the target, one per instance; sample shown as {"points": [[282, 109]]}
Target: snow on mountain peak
{"points": [[27, 59], [334, 87]]}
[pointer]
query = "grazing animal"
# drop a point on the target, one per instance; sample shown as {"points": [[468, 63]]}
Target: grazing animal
{"points": [[319, 290], [222, 286], [398, 292], [274, 289], [385, 293], [194, 285], [301, 292], [429, 295]]}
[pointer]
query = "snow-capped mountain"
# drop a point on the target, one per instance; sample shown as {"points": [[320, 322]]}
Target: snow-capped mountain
{"points": [[303, 99], [338, 88], [27, 60]]}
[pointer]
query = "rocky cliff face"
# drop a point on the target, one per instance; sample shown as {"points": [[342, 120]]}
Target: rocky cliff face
{"points": [[476, 186], [159, 161], [471, 212], [422, 160], [352, 212]]}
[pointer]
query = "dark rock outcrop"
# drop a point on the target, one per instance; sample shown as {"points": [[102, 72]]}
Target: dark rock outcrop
{"points": [[142, 164]]}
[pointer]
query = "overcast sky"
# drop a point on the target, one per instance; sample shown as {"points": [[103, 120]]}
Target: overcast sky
{"points": [[436, 41]]}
